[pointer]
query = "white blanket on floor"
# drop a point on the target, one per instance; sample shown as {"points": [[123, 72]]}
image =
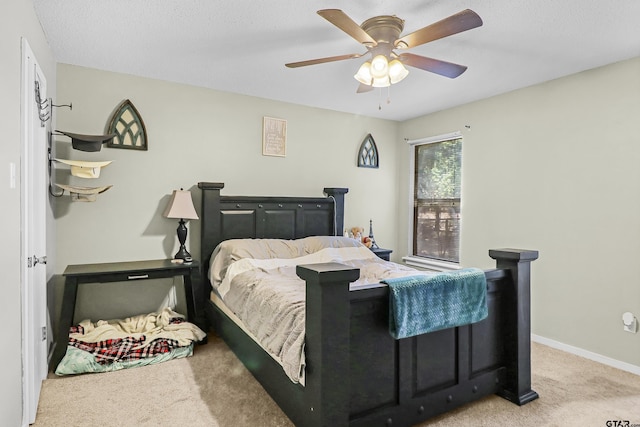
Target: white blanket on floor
{"points": [[152, 326]]}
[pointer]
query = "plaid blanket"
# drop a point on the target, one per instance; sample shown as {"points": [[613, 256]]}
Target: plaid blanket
{"points": [[124, 349]]}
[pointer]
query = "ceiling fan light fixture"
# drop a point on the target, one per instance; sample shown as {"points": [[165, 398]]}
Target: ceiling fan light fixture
{"points": [[379, 67], [397, 71], [380, 35], [364, 74], [381, 81]]}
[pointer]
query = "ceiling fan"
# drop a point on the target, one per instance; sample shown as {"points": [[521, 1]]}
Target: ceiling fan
{"points": [[381, 36]]}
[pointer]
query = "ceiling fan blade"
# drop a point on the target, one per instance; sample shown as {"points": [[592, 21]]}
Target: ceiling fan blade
{"points": [[362, 88], [346, 24], [447, 69], [461, 21], [322, 60]]}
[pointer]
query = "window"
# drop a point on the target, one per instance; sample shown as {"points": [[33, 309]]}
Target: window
{"points": [[435, 187]]}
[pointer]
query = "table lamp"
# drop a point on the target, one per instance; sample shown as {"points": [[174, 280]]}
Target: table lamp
{"points": [[181, 206]]}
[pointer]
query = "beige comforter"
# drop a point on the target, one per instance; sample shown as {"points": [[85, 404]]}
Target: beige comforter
{"points": [[269, 298]]}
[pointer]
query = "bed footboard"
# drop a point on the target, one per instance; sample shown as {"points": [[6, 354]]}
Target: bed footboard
{"points": [[358, 375]]}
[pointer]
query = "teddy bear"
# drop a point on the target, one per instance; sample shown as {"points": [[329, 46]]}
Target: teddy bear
{"points": [[358, 234]]}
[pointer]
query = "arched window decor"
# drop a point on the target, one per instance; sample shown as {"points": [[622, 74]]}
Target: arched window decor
{"points": [[129, 128], [368, 153]]}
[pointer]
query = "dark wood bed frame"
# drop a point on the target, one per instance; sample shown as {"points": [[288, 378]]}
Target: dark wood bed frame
{"points": [[356, 373]]}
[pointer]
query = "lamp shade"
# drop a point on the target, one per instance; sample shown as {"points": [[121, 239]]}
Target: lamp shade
{"points": [[381, 82], [379, 67], [364, 74], [397, 71], [181, 206]]}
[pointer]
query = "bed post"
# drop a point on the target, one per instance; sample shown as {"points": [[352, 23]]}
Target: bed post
{"points": [[210, 233], [327, 389], [517, 387], [338, 197]]}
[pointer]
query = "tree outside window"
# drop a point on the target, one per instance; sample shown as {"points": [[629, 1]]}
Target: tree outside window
{"points": [[436, 216]]}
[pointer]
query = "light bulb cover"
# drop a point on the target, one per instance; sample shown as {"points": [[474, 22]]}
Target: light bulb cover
{"points": [[379, 67], [397, 71], [381, 82], [364, 74]]}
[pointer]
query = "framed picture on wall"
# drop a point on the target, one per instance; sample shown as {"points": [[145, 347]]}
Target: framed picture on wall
{"points": [[274, 137]]}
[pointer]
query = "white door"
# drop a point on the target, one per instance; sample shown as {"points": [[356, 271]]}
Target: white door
{"points": [[34, 196]]}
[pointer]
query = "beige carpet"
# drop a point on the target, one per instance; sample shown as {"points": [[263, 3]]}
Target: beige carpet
{"points": [[213, 389]]}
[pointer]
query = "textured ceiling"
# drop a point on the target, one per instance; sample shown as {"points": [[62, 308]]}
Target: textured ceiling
{"points": [[241, 46]]}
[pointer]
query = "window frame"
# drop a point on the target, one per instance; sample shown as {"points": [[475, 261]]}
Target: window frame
{"points": [[412, 259]]}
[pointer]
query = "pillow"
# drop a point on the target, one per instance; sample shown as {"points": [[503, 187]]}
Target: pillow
{"points": [[233, 250], [316, 243]]}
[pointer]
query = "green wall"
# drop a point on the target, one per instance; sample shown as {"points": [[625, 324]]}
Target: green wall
{"points": [[197, 135], [554, 167]]}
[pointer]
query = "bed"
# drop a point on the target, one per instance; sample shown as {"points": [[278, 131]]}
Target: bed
{"points": [[355, 373]]}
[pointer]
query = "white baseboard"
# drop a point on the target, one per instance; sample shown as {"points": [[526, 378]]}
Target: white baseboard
{"points": [[587, 354]]}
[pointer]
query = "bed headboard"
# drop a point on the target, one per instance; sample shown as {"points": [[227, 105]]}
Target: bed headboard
{"points": [[236, 217]]}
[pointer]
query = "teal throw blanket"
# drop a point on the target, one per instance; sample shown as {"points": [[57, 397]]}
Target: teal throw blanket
{"points": [[421, 304]]}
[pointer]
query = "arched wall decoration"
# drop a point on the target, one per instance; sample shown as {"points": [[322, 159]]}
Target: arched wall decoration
{"points": [[368, 153], [128, 127]]}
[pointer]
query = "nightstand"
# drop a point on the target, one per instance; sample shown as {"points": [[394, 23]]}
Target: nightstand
{"points": [[382, 253], [120, 272]]}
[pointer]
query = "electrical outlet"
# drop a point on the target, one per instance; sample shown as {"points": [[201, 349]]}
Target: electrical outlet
{"points": [[630, 322]]}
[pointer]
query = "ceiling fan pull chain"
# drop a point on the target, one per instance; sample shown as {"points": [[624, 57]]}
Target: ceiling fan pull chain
{"points": [[388, 94]]}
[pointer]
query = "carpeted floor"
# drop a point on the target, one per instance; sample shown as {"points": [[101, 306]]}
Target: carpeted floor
{"points": [[212, 388]]}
